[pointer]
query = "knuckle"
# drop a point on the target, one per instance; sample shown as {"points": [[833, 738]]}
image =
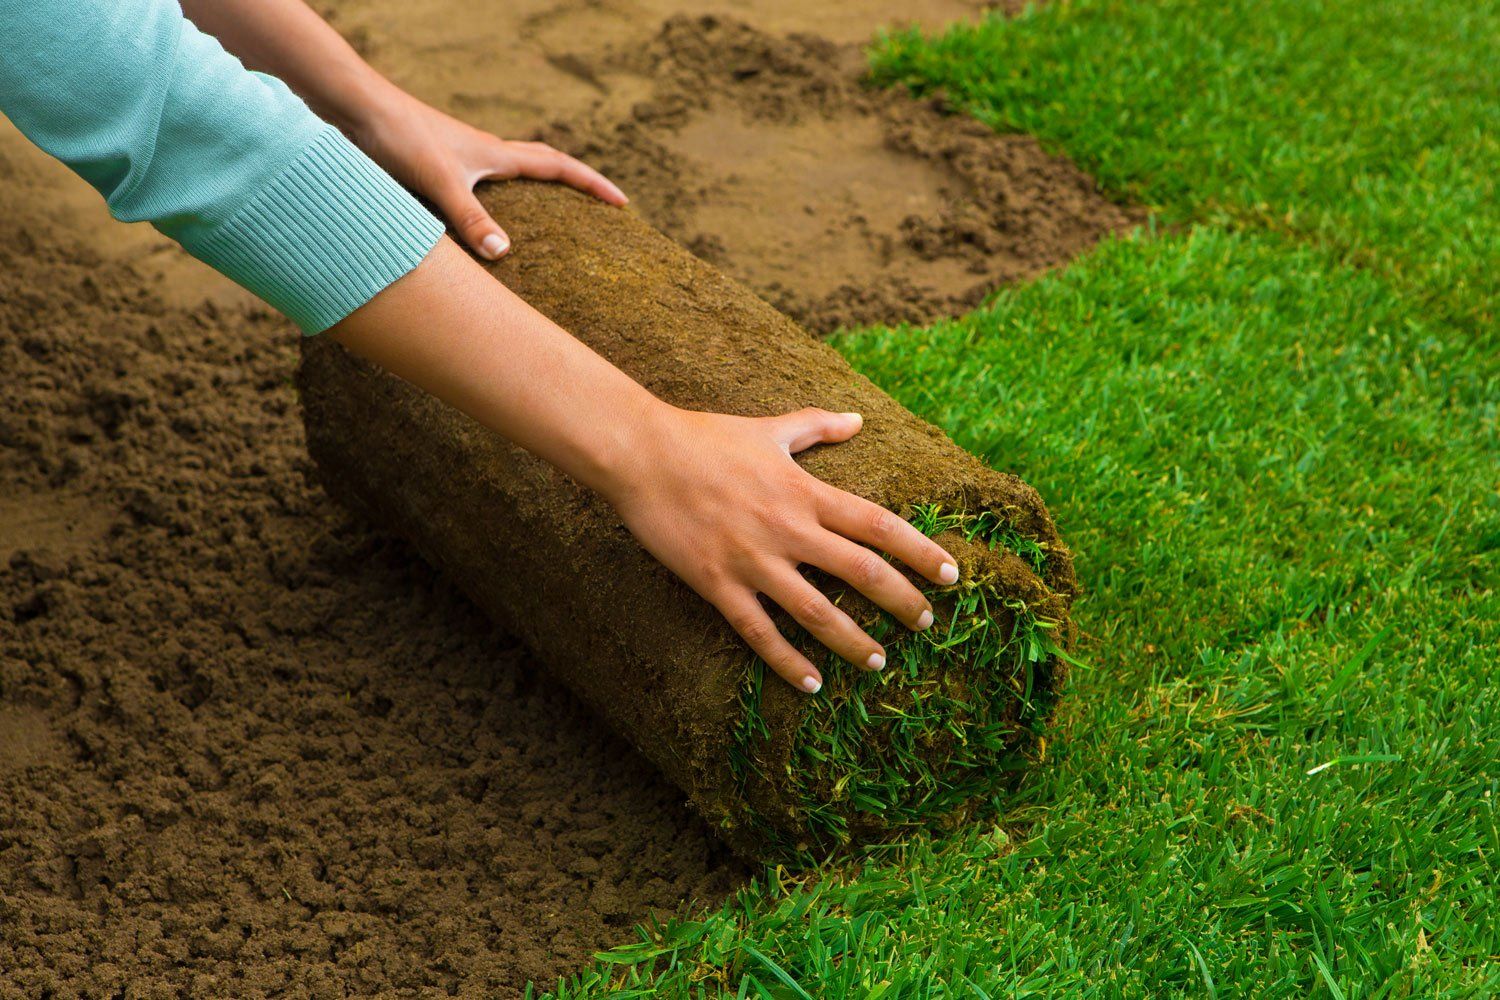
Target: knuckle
{"points": [[784, 661], [753, 625], [812, 610], [471, 218], [778, 518], [845, 508], [757, 630], [714, 583], [866, 569], [800, 487], [880, 524]]}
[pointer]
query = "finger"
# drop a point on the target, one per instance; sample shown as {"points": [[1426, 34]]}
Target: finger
{"points": [[457, 202], [805, 428], [815, 612], [871, 524], [749, 619], [882, 583], [543, 163]]}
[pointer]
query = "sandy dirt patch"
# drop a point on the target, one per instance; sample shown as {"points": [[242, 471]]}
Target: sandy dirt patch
{"points": [[840, 204]]}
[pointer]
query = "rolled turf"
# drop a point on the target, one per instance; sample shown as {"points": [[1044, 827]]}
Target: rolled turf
{"points": [[785, 776]]}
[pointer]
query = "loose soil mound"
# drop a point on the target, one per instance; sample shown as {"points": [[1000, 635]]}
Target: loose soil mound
{"points": [[247, 745], [839, 204]]}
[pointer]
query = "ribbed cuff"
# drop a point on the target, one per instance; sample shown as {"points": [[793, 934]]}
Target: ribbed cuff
{"points": [[324, 237]]}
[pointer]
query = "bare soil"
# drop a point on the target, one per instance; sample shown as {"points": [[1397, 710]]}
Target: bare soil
{"points": [[839, 204], [250, 746]]}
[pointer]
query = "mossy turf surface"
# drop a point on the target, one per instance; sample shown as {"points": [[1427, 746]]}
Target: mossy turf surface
{"points": [[1268, 431]]}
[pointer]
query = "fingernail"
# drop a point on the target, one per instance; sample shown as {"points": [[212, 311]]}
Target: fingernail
{"points": [[876, 661], [811, 684], [859, 418], [924, 620], [493, 245], [947, 573]]}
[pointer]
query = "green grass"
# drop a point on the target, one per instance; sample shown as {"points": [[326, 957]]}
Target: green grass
{"points": [[935, 736], [1371, 127], [1269, 432]]}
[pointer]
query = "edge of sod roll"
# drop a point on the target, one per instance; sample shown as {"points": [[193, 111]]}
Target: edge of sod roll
{"points": [[951, 720]]}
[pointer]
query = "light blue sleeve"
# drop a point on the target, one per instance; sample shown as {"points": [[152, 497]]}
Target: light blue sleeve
{"points": [[173, 130]]}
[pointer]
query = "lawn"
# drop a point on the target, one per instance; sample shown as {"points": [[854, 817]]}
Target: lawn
{"points": [[1267, 424]]}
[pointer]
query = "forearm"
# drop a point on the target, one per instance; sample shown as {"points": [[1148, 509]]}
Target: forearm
{"points": [[454, 331], [288, 40], [174, 131]]}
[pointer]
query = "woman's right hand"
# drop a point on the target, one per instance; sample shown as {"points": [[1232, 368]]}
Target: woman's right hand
{"points": [[716, 498], [720, 501]]}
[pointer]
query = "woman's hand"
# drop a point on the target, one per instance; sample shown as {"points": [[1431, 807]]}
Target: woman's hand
{"points": [[437, 156], [719, 500], [441, 158]]}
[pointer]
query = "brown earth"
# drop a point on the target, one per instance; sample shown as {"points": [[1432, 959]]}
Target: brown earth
{"points": [[839, 204], [249, 746], [758, 146]]}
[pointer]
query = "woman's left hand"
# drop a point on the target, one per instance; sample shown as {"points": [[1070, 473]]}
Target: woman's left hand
{"points": [[441, 159]]}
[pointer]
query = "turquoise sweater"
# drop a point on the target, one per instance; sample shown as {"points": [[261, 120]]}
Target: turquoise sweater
{"points": [[173, 130]]}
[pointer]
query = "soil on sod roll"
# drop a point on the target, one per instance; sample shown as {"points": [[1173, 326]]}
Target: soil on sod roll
{"points": [[783, 775]]}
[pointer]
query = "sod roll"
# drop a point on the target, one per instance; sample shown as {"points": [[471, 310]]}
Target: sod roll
{"points": [[784, 776]]}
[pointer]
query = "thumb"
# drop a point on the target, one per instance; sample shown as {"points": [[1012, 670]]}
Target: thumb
{"points": [[473, 223], [805, 428]]}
